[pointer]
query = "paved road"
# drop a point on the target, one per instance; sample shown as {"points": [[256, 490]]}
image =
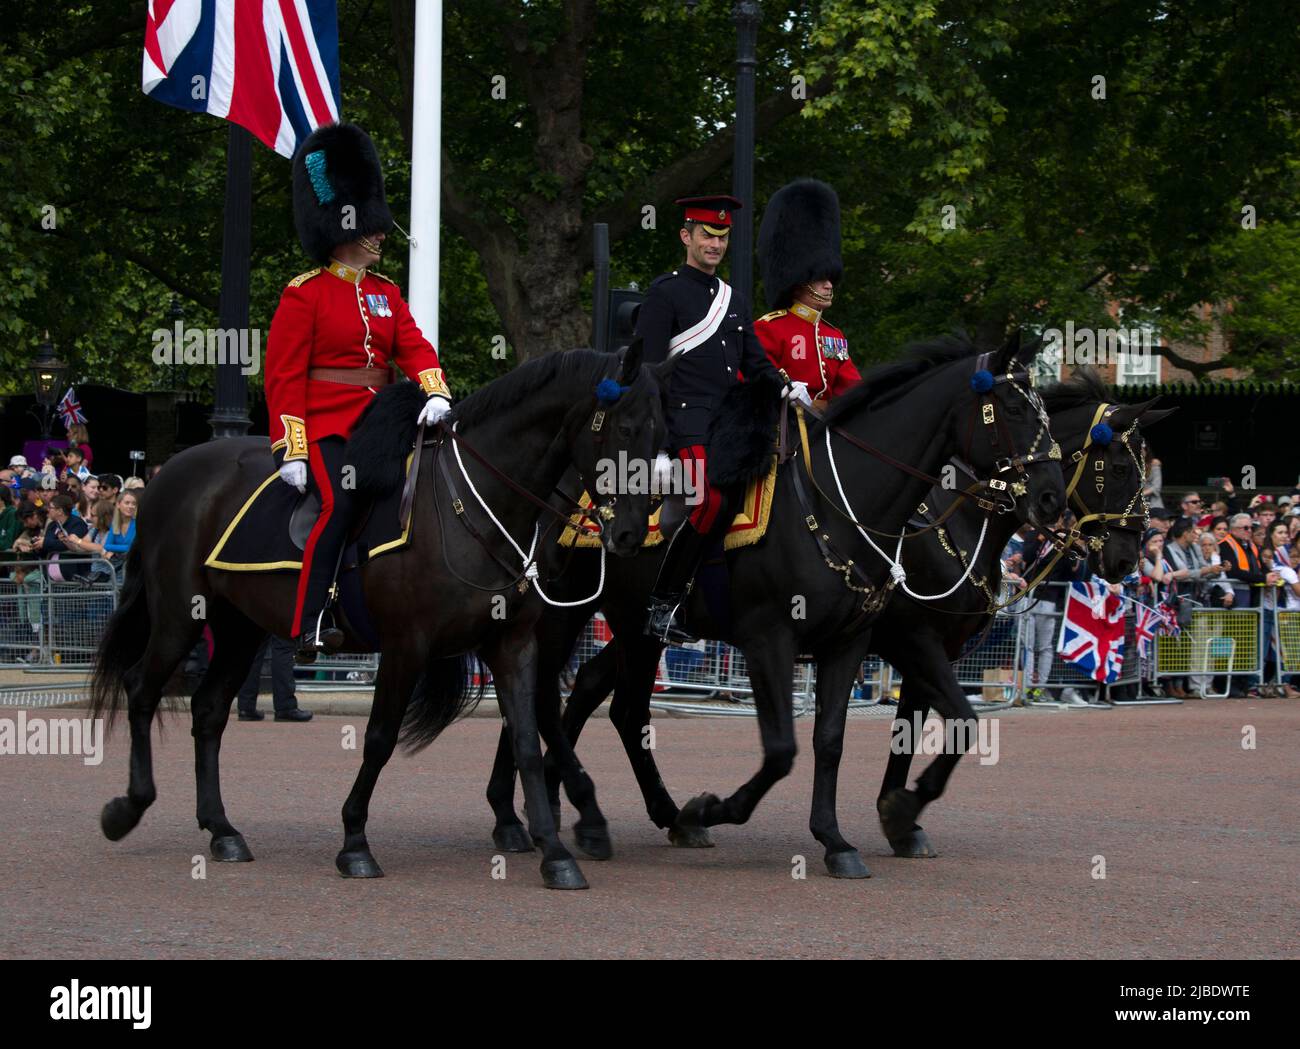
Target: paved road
{"points": [[1200, 839]]}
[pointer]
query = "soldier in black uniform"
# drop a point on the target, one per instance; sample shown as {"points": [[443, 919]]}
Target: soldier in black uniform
{"points": [[692, 312]]}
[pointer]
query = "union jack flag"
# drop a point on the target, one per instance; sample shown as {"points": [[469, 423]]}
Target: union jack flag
{"points": [[69, 408], [271, 66], [1146, 624], [1092, 631]]}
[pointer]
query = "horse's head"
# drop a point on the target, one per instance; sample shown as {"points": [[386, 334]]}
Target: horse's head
{"points": [[613, 439], [1105, 468], [1004, 436]]}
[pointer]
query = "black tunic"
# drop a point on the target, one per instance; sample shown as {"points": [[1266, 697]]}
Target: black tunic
{"points": [[676, 301]]}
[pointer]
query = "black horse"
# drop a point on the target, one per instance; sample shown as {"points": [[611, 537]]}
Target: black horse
{"points": [[456, 588], [795, 592], [920, 638], [1105, 468]]}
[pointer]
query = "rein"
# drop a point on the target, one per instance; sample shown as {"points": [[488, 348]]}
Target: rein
{"points": [[519, 579]]}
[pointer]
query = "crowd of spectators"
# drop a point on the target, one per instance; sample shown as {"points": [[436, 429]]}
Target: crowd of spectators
{"points": [[63, 523], [1219, 548]]}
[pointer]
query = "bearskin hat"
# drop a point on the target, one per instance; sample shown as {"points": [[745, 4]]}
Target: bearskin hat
{"points": [[799, 240], [336, 168]]}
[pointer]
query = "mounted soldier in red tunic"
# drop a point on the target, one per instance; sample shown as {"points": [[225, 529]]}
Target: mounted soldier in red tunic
{"points": [[336, 332], [799, 256], [692, 314]]}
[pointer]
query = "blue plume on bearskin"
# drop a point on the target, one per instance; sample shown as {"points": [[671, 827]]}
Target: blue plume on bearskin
{"points": [[742, 435], [379, 445]]}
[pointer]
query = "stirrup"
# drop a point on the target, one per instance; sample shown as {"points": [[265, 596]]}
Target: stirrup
{"points": [[314, 642], [661, 622]]}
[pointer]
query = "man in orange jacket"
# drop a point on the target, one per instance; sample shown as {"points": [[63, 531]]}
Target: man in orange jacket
{"points": [[336, 331], [799, 256]]}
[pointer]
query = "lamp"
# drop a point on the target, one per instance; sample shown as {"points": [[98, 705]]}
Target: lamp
{"points": [[48, 373]]}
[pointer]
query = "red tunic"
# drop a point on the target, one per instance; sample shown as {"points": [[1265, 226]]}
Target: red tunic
{"points": [[808, 349], [338, 317]]}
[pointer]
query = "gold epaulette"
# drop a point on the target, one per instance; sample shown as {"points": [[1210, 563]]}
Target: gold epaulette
{"points": [[388, 280], [303, 278], [773, 315]]}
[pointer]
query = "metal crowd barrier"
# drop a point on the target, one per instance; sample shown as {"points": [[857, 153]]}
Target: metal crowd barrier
{"points": [[339, 672], [1218, 642], [48, 621]]}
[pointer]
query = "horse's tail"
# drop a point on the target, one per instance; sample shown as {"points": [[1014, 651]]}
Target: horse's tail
{"points": [[123, 643], [448, 689]]}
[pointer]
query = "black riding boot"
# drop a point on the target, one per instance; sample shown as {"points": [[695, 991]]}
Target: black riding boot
{"points": [[685, 552], [319, 634]]}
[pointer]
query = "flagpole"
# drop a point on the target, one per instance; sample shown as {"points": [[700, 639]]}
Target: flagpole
{"points": [[426, 168], [230, 398]]}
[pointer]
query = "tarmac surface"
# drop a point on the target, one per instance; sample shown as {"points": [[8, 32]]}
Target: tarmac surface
{"points": [[1200, 839]]}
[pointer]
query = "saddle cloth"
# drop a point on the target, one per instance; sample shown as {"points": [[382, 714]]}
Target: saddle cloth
{"points": [[268, 533], [747, 528]]}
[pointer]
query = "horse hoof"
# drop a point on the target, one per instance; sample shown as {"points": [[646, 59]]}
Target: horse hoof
{"points": [[563, 874], [690, 837], [898, 811], [358, 865], [914, 845], [231, 848], [593, 841], [692, 814], [512, 838], [119, 818], [846, 864]]}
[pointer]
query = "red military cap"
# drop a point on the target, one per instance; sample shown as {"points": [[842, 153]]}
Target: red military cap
{"points": [[713, 213]]}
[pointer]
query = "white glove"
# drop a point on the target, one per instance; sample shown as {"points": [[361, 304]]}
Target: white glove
{"points": [[294, 473], [661, 474], [798, 392], [434, 409]]}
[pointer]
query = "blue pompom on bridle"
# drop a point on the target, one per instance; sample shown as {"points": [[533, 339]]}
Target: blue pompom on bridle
{"points": [[320, 182], [608, 391], [982, 381], [1101, 434]]}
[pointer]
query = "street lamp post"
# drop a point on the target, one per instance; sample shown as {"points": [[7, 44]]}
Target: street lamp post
{"points": [[746, 14], [47, 378]]}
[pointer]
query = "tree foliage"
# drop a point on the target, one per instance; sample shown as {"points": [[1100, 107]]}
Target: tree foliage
{"points": [[988, 177]]}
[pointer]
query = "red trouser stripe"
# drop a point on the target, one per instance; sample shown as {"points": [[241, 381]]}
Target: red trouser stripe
{"points": [[709, 499], [316, 464]]}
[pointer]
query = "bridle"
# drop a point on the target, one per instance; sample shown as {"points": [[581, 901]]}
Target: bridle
{"points": [[608, 391], [998, 493], [1102, 437]]}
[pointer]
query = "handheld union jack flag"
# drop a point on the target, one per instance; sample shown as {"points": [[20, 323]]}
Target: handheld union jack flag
{"points": [[271, 66], [1146, 623], [1092, 631], [69, 408]]}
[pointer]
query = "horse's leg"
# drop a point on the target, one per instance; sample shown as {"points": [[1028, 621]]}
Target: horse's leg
{"points": [[913, 709], [512, 658], [591, 831], [637, 666], [170, 641], [509, 834], [771, 672], [236, 639], [399, 670], [835, 674], [899, 806]]}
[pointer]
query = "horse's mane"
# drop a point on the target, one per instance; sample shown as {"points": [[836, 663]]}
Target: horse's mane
{"points": [[1084, 386], [511, 389], [887, 382]]}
